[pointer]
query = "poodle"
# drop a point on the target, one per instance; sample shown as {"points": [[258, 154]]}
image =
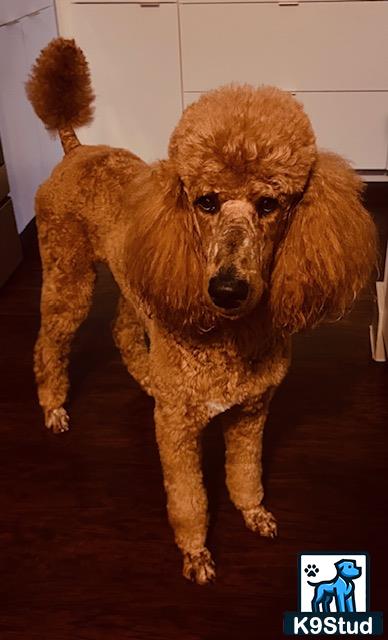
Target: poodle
{"points": [[243, 236]]}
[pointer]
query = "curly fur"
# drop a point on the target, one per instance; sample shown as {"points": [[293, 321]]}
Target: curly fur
{"points": [[327, 252], [170, 273], [60, 90], [301, 262]]}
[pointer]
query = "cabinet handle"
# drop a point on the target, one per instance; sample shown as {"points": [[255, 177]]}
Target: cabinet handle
{"points": [[288, 4], [149, 5]]}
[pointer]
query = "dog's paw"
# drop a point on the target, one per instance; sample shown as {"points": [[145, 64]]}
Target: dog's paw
{"points": [[199, 567], [57, 420], [311, 570], [261, 521]]}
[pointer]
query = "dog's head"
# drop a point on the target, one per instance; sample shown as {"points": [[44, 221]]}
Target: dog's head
{"points": [[348, 569], [246, 210]]}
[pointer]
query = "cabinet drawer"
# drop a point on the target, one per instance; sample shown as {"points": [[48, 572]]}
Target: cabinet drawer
{"points": [[353, 124], [64, 2], [252, 1], [313, 46]]}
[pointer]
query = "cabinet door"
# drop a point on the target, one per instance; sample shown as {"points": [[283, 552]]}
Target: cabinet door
{"points": [[133, 52], [38, 30], [313, 46], [28, 150]]}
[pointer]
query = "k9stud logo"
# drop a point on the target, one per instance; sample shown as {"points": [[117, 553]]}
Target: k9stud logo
{"points": [[333, 596]]}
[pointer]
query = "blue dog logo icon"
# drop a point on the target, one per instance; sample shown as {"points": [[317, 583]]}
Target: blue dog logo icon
{"points": [[336, 605], [340, 589]]}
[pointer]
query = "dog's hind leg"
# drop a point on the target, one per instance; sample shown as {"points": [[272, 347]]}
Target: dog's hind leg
{"points": [[133, 342], [68, 280], [315, 605], [326, 605], [243, 438]]}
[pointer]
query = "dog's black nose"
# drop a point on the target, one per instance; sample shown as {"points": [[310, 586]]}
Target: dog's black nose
{"points": [[227, 291]]}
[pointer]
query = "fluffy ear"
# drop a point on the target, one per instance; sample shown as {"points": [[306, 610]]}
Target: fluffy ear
{"points": [[328, 252], [163, 253]]}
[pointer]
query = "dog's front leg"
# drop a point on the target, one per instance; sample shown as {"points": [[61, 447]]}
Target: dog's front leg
{"points": [[350, 603], [179, 443], [340, 600], [243, 439]]}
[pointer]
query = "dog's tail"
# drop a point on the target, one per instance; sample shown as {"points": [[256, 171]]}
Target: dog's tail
{"points": [[59, 88]]}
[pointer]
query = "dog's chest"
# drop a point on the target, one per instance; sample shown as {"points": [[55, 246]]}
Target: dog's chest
{"points": [[216, 377]]}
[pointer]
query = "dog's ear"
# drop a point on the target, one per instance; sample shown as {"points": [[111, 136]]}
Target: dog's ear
{"points": [[328, 251], [163, 254]]}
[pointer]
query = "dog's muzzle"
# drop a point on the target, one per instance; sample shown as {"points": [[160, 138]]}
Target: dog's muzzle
{"points": [[227, 291]]}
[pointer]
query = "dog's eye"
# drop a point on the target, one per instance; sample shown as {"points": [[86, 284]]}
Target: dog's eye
{"points": [[208, 203], [264, 206]]}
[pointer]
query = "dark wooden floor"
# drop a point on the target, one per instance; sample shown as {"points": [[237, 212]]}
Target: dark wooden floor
{"points": [[86, 551]]}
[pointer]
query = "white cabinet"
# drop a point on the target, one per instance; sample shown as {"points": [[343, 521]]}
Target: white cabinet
{"points": [[146, 63], [148, 59], [332, 55], [11, 10], [133, 52], [311, 46], [29, 151]]}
